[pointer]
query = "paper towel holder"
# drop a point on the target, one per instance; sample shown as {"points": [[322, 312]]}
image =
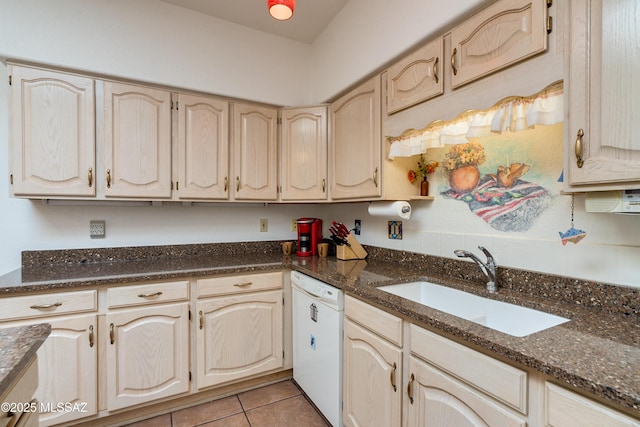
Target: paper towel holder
{"points": [[404, 209]]}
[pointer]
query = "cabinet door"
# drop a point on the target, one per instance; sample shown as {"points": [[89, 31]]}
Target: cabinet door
{"points": [[604, 95], [372, 373], [147, 354], [416, 78], [203, 148], [304, 154], [137, 141], [238, 336], [356, 143], [504, 33], [435, 399], [53, 133], [255, 152], [67, 369]]}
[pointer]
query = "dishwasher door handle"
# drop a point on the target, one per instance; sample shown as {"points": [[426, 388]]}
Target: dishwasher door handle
{"points": [[307, 292]]}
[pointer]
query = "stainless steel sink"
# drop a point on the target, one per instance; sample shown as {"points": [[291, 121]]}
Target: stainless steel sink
{"points": [[504, 317]]}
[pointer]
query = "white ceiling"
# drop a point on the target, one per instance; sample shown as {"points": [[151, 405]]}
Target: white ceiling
{"points": [[309, 18]]}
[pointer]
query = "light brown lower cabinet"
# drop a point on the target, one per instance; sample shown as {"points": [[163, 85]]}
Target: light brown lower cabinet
{"points": [[147, 354], [372, 366], [240, 331], [67, 366], [397, 373], [67, 360], [437, 399]]}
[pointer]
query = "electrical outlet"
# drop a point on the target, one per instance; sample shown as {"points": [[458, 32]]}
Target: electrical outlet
{"points": [[294, 225], [96, 229], [264, 225], [357, 227], [395, 230]]}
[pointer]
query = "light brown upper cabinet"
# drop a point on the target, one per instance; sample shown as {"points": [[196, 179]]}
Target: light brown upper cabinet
{"points": [[602, 137], [255, 150], [415, 78], [137, 141], [496, 37], [202, 148], [53, 133], [355, 148], [303, 154]]}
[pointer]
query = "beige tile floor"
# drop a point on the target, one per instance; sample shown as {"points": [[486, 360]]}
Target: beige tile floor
{"points": [[277, 405]]}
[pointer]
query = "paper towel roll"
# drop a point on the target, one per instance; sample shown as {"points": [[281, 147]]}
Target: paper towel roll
{"points": [[397, 209]]}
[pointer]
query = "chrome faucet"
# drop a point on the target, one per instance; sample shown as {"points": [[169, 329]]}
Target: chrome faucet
{"points": [[488, 268]]}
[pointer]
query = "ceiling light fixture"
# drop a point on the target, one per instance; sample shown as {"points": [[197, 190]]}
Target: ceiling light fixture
{"points": [[281, 9]]}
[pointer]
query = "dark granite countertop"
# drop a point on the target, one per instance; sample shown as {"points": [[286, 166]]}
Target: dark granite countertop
{"points": [[597, 352], [17, 346]]}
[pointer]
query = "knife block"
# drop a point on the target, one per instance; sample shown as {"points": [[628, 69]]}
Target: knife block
{"points": [[355, 251]]}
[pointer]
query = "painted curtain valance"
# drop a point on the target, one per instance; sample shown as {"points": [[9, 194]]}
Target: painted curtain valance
{"points": [[513, 113]]}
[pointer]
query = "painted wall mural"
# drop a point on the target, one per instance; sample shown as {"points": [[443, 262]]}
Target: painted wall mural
{"points": [[503, 178], [503, 162]]}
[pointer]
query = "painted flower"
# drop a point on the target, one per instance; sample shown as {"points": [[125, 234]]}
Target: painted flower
{"points": [[471, 153]]}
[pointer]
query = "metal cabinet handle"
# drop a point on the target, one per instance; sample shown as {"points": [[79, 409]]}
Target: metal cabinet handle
{"points": [[324, 185], [243, 284], [392, 376], [91, 338], [201, 318], [435, 70], [112, 333], [90, 177], [150, 294], [453, 61], [108, 178], [579, 148], [237, 183], [45, 306], [375, 177], [410, 388], [226, 184]]}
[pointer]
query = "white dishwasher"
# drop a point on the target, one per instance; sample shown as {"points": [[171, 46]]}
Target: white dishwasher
{"points": [[318, 316]]}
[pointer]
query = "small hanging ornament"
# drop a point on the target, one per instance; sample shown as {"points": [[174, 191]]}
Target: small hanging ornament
{"points": [[573, 234]]}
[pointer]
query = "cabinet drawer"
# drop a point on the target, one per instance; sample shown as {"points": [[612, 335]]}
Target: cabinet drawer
{"points": [[497, 379], [236, 284], [152, 293], [33, 306], [565, 408], [382, 323]]}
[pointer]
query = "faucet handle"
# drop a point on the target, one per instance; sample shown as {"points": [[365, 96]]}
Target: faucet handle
{"points": [[487, 254]]}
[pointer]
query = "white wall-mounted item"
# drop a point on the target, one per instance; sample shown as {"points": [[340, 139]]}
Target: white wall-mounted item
{"points": [[397, 209]]}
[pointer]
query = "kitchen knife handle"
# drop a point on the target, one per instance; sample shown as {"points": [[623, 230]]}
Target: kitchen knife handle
{"points": [[410, 388], [435, 70], [453, 61], [91, 341], [112, 333], [375, 177], [392, 376], [579, 148], [90, 177]]}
